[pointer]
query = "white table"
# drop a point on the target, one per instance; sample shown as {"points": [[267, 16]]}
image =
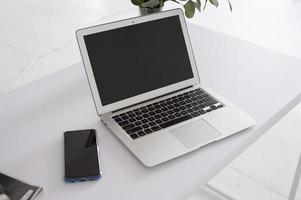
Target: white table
{"points": [[34, 117]]}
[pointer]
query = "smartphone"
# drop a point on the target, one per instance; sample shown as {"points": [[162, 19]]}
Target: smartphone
{"points": [[82, 161]]}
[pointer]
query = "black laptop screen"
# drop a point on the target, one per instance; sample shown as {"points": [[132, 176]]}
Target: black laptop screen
{"points": [[136, 59]]}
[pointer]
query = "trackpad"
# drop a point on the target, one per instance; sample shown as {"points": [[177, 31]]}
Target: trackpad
{"points": [[195, 133]]}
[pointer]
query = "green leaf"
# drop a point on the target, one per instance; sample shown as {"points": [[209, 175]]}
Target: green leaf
{"points": [[214, 2], [189, 9], [230, 5], [197, 4]]}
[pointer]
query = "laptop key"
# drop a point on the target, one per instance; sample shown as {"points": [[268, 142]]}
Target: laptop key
{"points": [[165, 119], [163, 104], [170, 112], [199, 102], [129, 126], [151, 119], [164, 109], [157, 106], [213, 102], [151, 108], [169, 102], [198, 107], [155, 128], [175, 100], [175, 121], [189, 110], [138, 113], [195, 114], [145, 126], [177, 115], [171, 117], [195, 108], [213, 107], [164, 114], [194, 103], [183, 112], [138, 117], [123, 123], [158, 121], [201, 111], [182, 108], [157, 116], [138, 123], [194, 99], [144, 111], [145, 115], [158, 111], [133, 130], [181, 98], [132, 120], [170, 107], [176, 110], [125, 117], [199, 92], [141, 133], [134, 136], [152, 123], [122, 114], [182, 103], [203, 105], [131, 115], [188, 101], [192, 94], [144, 121], [148, 131], [151, 113], [176, 105], [117, 119]]}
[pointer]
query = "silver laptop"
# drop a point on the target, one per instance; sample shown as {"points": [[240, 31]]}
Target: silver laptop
{"points": [[147, 91]]}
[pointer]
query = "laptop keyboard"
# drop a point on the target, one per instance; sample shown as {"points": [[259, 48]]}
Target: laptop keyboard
{"points": [[162, 114]]}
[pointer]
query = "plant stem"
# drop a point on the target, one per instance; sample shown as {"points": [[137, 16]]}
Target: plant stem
{"points": [[205, 4]]}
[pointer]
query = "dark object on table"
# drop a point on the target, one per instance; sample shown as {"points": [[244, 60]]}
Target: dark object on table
{"points": [[13, 189], [81, 146]]}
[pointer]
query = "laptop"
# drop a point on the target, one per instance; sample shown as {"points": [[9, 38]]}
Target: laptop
{"points": [[146, 88]]}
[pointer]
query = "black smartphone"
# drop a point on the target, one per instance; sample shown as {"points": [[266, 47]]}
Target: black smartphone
{"points": [[81, 156]]}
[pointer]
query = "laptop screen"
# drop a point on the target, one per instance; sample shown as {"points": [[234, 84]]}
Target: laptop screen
{"points": [[136, 59]]}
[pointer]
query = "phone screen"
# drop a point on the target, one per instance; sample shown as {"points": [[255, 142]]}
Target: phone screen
{"points": [[81, 155]]}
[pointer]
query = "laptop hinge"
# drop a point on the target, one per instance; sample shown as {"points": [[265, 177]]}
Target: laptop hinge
{"points": [[151, 99]]}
